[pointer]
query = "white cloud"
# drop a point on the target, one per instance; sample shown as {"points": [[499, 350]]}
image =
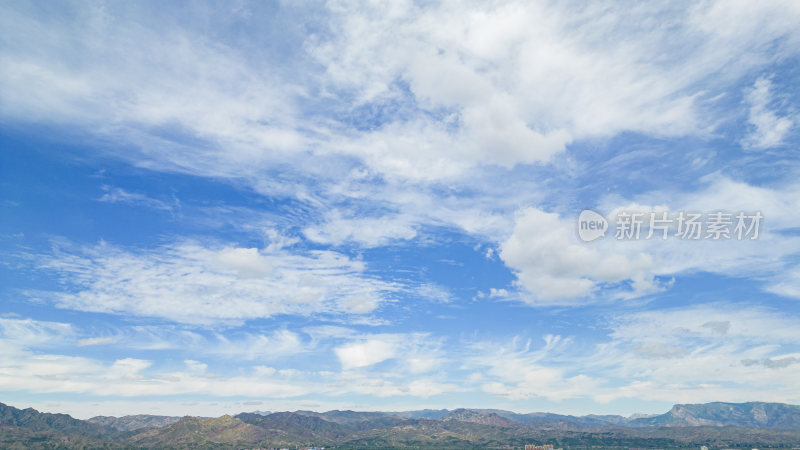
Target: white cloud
{"points": [[322, 332], [767, 258], [247, 261], [786, 283], [668, 354], [96, 341], [190, 283], [479, 85], [129, 368], [689, 354], [554, 267], [693, 353], [368, 232], [706, 322], [475, 84], [28, 367], [493, 293], [367, 353], [520, 81], [410, 353], [769, 129], [195, 366], [432, 292], [227, 345], [382, 387], [118, 195], [17, 332], [516, 371], [130, 377], [414, 357], [258, 347]]}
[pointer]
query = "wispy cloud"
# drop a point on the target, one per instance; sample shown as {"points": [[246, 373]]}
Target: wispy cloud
{"points": [[31, 370], [33, 333], [118, 195], [500, 86], [358, 136], [192, 283], [96, 341], [670, 355], [768, 128]]}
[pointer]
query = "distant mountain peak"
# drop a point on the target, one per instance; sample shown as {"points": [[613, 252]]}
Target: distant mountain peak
{"points": [[479, 417], [714, 424], [750, 414], [134, 422]]}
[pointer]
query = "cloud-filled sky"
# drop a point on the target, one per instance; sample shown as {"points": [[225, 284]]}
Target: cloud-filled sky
{"points": [[211, 208]]}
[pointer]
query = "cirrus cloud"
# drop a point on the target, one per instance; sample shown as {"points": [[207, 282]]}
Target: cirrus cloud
{"points": [[191, 283]]}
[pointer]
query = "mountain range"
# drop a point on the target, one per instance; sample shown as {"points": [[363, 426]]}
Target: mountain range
{"points": [[130, 423], [716, 425]]}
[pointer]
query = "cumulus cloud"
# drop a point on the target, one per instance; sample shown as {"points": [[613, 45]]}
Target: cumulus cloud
{"points": [[367, 353], [413, 353], [410, 95], [520, 81], [553, 266], [769, 257], [420, 115], [247, 261], [477, 84]]}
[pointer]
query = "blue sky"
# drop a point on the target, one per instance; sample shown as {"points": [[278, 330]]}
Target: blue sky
{"points": [[223, 207]]}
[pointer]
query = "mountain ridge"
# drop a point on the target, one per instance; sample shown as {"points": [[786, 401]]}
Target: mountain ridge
{"points": [[754, 414], [134, 422], [717, 424]]}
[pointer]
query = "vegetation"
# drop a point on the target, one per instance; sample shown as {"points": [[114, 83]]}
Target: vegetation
{"points": [[718, 425]]}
